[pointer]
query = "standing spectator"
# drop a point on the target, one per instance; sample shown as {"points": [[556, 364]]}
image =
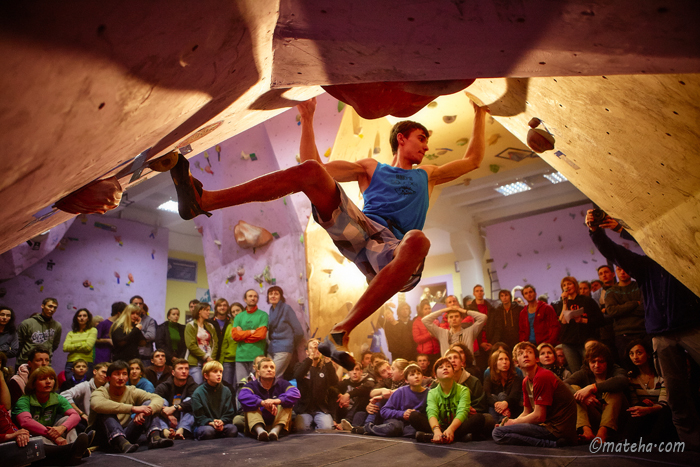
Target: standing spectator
{"points": [[504, 323], [228, 355], [44, 413], [200, 338], [584, 288], [39, 329], [126, 334], [548, 360], [103, 344], [599, 392], [176, 420], [159, 370], [38, 357], [170, 336], [213, 406], [9, 344], [191, 306], [267, 403], [284, 330], [249, 331], [456, 333], [220, 320], [538, 321], [79, 395], [136, 376], [606, 332], [596, 285], [316, 378], [503, 387], [623, 303], [148, 327], [549, 416], [80, 341], [428, 345], [399, 333], [580, 318], [483, 349]]}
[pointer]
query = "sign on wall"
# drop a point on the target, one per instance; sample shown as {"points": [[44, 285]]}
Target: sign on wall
{"points": [[182, 270]]}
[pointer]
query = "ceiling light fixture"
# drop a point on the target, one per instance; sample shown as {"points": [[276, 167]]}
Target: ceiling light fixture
{"points": [[170, 206], [513, 188], [555, 177]]}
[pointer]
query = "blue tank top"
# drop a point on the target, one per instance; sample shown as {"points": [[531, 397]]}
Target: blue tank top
{"points": [[397, 198]]}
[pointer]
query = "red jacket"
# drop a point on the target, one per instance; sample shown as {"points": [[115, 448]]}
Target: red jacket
{"points": [[546, 325], [427, 344]]}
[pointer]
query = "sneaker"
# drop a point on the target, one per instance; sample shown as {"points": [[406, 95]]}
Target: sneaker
{"points": [[186, 186], [263, 436], [329, 349], [423, 437], [358, 430], [273, 436], [346, 425]]}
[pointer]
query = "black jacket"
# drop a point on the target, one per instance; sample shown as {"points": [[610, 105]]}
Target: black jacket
{"points": [[314, 384], [163, 341], [166, 390], [220, 335]]}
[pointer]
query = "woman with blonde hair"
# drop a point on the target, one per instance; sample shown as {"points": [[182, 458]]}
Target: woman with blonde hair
{"points": [[126, 334]]}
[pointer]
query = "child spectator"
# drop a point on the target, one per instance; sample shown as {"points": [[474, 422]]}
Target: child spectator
{"points": [[80, 342], [78, 375], [267, 403], [548, 360], [213, 406], [503, 387], [79, 395], [315, 378], [136, 376], [549, 413], [176, 419], [447, 416]]}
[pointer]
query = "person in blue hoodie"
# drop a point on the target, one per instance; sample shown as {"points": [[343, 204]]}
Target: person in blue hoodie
{"points": [[283, 330]]}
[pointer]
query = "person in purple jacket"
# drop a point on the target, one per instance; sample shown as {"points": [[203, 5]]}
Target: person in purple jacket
{"points": [[103, 345], [266, 404]]}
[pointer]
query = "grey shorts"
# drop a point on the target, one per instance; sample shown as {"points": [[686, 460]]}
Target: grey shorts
{"points": [[363, 241]]}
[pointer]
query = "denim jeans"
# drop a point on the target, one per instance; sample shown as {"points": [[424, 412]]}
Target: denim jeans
{"points": [[524, 434], [196, 373], [204, 432], [322, 421], [185, 421], [391, 428], [501, 396], [229, 373]]}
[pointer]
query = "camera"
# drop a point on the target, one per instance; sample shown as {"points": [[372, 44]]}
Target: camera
{"points": [[598, 217]]}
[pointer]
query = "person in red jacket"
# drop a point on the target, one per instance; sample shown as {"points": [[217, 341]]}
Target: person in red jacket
{"points": [[538, 321], [427, 344]]}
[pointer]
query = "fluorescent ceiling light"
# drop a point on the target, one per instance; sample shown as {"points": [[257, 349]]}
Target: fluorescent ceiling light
{"points": [[513, 188], [555, 177], [170, 206]]}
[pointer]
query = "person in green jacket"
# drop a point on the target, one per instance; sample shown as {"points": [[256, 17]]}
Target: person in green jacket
{"points": [[80, 342], [228, 350], [250, 331], [212, 405], [201, 340]]}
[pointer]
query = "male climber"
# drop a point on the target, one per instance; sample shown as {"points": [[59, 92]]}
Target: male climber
{"points": [[384, 240]]}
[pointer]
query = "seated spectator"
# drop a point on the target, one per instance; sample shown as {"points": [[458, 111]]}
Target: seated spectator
{"points": [[561, 358], [111, 407], [651, 416], [468, 359], [37, 357], [9, 343], [354, 397], [366, 360], [382, 377], [80, 342], [176, 419], [447, 418], [44, 413], [402, 403], [213, 405], [377, 357], [599, 392], [505, 348], [548, 360], [503, 387], [8, 430], [426, 342], [170, 336], [126, 334], [78, 375], [159, 371], [136, 376], [538, 320], [423, 361], [549, 413], [315, 378], [79, 395], [504, 322], [267, 404]]}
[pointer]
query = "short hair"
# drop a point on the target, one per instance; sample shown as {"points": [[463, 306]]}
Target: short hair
{"points": [[598, 281], [180, 361], [310, 341], [38, 349], [411, 368], [39, 373], [422, 355], [49, 299], [380, 364], [194, 301], [80, 360], [439, 362], [117, 308], [543, 345], [259, 363], [468, 355], [197, 309], [598, 350], [75, 326], [521, 345], [451, 312], [131, 300], [529, 286], [505, 291], [477, 285], [451, 351], [100, 365], [572, 280], [405, 128], [605, 266], [362, 355], [158, 350], [275, 288], [137, 361], [250, 290], [210, 366], [584, 282], [119, 365], [379, 355]]}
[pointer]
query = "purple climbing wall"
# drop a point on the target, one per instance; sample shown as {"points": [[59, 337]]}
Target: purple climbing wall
{"points": [[543, 249], [94, 249]]}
